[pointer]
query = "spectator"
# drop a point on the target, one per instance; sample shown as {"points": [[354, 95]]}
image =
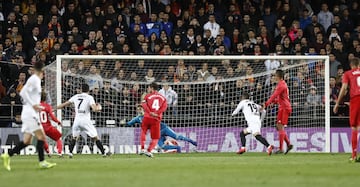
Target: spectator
{"points": [[25, 27], [167, 25], [187, 100], [12, 107], [212, 26], [269, 18], [309, 30], [40, 29], [333, 65], [49, 40], [94, 79], [133, 77], [153, 26], [108, 96], [55, 25], [287, 15], [313, 101], [98, 19], [136, 93], [32, 13], [305, 20], [117, 82], [297, 91], [19, 83], [340, 54], [88, 26], [71, 12], [334, 90], [171, 98], [14, 35], [149, 77], [346, 23]]}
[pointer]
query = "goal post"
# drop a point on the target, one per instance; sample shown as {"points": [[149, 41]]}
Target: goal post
{"points": [[207, 90]]}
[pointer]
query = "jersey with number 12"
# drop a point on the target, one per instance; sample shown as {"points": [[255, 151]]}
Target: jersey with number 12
{"points": [[156, 103], [352, 78]]}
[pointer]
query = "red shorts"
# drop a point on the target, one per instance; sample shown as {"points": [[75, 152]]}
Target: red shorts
{"points": [[355, 111], [153, 125], [283, 116], [53, 133]]}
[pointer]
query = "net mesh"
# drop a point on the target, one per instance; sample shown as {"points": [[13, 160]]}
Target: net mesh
{"points": [[201, 94]]}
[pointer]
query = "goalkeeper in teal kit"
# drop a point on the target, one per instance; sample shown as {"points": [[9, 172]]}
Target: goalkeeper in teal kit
{"points": [[165, 131]]}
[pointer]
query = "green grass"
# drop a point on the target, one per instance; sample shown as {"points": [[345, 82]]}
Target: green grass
{"points": [[186, 170]]}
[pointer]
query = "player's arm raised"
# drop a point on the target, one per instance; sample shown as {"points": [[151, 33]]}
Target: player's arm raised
{"points": [[274, 96], [133, 121], [63, 105], [52, 115], [237, 110], [342, 94]]}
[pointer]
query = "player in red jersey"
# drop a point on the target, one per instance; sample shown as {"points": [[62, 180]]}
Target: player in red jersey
{"points": [[351, 79], [154, 104], [50, 130], [281, 97]]}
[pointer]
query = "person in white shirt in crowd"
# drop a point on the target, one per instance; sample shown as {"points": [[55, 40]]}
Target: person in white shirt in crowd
{"points": [[171, 97]]}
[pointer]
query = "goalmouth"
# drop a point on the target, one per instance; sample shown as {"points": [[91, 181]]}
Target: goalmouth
{"points": [[208, 88]]}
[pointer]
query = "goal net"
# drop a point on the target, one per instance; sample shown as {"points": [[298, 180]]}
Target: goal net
{"points": [[202, 92]]}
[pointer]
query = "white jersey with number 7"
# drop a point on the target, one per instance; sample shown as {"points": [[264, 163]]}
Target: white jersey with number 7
{"points": [[82, 104]]}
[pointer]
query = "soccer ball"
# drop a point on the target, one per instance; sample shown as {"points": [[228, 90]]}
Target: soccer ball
{"points": [[171, 141]]}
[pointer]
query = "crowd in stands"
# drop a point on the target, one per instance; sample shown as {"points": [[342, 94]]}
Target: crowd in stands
{"points": [[38, 30]]}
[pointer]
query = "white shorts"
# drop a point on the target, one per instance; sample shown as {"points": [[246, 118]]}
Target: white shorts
{"points": [[30, 123], [84, 125], [254, 127]]}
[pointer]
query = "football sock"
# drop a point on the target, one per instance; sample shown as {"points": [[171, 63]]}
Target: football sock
{"points": [[59, 146], [243, 139], [354, 142], [281, 139], [46, 147], [152, 145], [40, 149], [262, 140], [286, 138], [100, 146], [142, 139], [72, 145], [17, 148]]}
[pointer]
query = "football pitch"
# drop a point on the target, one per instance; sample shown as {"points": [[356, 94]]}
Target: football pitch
{"points": [[186, 170]]}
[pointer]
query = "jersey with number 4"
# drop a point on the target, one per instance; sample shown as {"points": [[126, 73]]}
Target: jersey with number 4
{"points": [[82, 104], [352, 78], [156, 103], [250, 110]]}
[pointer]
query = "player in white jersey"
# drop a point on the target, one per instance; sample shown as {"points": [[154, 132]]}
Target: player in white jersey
{"points": [[254, 115], [83, 103], [31, 95]]}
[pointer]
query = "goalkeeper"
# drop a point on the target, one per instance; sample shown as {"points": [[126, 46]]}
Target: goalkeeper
{"points": [[165, 131]]}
